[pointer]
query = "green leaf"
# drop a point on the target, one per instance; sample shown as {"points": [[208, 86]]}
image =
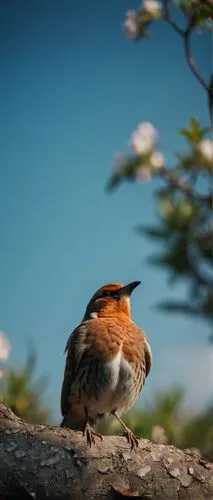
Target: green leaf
{"points": [[185, 133], [114, 181], [185, 6], [127, 171], [194, 133], [195, 130], [194, 123], [161, 233], [204, 14]]}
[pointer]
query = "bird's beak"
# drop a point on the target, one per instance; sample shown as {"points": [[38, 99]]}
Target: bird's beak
{"points": [[127, 289]]}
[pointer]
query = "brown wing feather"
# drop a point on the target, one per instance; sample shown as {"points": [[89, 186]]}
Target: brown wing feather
{"points": [[67, 381], [75, 348], [148, 355], [95, 336]]}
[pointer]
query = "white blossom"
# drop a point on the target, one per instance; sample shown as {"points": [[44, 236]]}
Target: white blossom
{"points": [[153, 8], [143, 174], [144, 138], [157, 160], [5, 346], [139, 145], [131, 24], [205, 147], [148, 130]]}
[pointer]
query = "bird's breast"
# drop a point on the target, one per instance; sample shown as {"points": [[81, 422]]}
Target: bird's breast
{"points": [[120, 371], [114, 379]]}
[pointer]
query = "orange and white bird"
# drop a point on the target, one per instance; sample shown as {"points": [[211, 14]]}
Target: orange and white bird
{"points": [[108, 360]]}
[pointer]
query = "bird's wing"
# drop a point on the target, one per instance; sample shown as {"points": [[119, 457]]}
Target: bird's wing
{"points": [[91, 344], [136, 347], [75, 348], [148, 355]]}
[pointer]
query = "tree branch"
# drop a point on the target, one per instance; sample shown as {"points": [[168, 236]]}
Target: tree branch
{"points": [[42, 462], [189, 58], [185, 187], [186, 34], [169, 19]]}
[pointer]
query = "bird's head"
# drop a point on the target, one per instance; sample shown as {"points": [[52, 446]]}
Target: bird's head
{"points": [[111, 300]]}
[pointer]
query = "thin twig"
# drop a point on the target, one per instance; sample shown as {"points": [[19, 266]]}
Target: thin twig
{"points": [[186, 34], [169, 19], [185, 187], [189, 58]]}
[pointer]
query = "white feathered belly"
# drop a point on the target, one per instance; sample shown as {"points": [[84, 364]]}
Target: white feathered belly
{"points": [[116, 387]]}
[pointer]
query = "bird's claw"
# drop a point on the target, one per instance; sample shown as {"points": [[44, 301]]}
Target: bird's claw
{"points": [[131, 438], [90, 435]]}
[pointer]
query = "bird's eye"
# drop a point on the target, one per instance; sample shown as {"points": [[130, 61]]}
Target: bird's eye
{"points": [[106, 293]]}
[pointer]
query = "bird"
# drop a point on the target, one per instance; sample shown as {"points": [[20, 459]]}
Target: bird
{"points": [[108, 358]]}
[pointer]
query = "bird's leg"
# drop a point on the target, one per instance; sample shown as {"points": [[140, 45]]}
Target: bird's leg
{"points": [[89, 432], [131, 438]]}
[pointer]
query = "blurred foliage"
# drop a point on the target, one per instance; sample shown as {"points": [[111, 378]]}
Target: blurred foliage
{"points": [[183, 232], [20, 392], [202, 11], [164, 422], [199, 432]]}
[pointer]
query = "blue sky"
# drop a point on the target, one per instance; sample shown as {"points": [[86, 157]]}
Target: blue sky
{"points": [[73, 88]]}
